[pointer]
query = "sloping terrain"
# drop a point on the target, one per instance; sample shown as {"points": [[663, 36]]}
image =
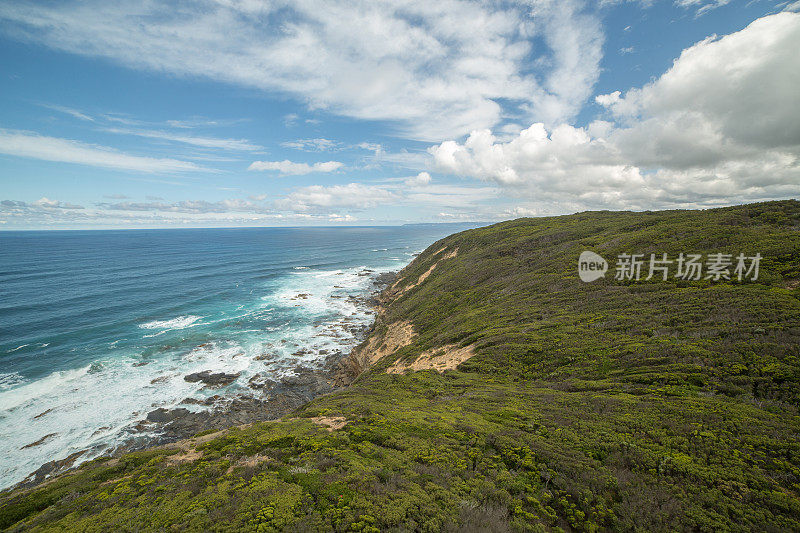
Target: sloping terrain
{"points": [[511, 396]]}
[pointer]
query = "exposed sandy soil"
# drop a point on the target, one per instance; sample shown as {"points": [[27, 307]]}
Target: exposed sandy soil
{"points": [[188, 447], [424, 276], [440, 359], [398, 335], [248, 461], [186, 456], [331, 422]]}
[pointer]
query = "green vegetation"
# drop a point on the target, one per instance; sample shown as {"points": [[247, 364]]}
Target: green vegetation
{"points": [[619, 406]]}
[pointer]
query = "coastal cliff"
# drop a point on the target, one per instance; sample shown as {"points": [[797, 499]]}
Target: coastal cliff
{"points": [[499, 392]]}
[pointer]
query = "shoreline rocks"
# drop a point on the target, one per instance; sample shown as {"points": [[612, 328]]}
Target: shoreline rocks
{"points": [[218, 379], [269, 398]]}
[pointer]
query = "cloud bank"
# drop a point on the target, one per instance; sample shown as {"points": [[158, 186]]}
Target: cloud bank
{"points": [[436, 70], [721, 125]]}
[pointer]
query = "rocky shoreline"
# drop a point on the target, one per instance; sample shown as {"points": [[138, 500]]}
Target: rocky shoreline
{"points": [[267, 398]]}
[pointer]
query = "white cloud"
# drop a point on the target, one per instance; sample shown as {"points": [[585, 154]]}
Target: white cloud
{"points": [[438, 69], [421, 179], [203, 142], [721, 125], [32, 145], [54, 204], [43, 209], [314, 145], [607, 100], [703, 6], [290, 168], [410, 160], [352, 195], [69, 111], [190, 206], [198, 122]]}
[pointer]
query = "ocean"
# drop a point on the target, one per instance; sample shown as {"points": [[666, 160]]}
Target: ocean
{"points": [[98, 328]]}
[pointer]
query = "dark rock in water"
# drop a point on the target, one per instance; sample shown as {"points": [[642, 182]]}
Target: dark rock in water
{"points": [[40, 415], [215, 380], [211, 400], [269, 398], [161, 415], [141, 363], [260, 382], [191, 401], [40, 441]]}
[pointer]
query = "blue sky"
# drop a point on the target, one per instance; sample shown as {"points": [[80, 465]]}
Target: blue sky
{"points": [[249, 113]]}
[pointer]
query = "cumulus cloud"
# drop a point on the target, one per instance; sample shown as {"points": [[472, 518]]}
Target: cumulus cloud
{"points": [[32, 145], [721, 125], [42, 203], [47, 203], [423, 178], [290, 168], [42, 211], [437, 69]]}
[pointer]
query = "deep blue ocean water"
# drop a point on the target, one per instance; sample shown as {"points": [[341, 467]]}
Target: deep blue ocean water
{"points": [[97, 328]]}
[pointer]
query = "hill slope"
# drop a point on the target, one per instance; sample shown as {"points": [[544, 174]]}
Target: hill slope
{"points": [[611, 405]]}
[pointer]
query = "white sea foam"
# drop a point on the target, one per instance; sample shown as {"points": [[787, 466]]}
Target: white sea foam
{"points": [[10, 380], [96, 406], [173, 323]]}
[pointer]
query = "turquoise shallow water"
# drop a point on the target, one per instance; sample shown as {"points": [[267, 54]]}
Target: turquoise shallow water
{"points": [[97, 328]]}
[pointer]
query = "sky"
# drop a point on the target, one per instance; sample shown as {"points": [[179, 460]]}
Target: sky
{"points": [[210, 113]]}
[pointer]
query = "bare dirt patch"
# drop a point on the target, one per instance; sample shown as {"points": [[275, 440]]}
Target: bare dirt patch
{"points": [[397, 335], [331, 422], [248, 462], [186, 456], [449, 255], [440, 359]]}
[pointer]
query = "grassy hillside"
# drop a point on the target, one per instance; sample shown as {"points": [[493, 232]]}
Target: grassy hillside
{"points": [[649, 405]]}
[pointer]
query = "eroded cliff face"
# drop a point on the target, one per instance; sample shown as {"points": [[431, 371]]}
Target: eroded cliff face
{"points": [[391, 333]]}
